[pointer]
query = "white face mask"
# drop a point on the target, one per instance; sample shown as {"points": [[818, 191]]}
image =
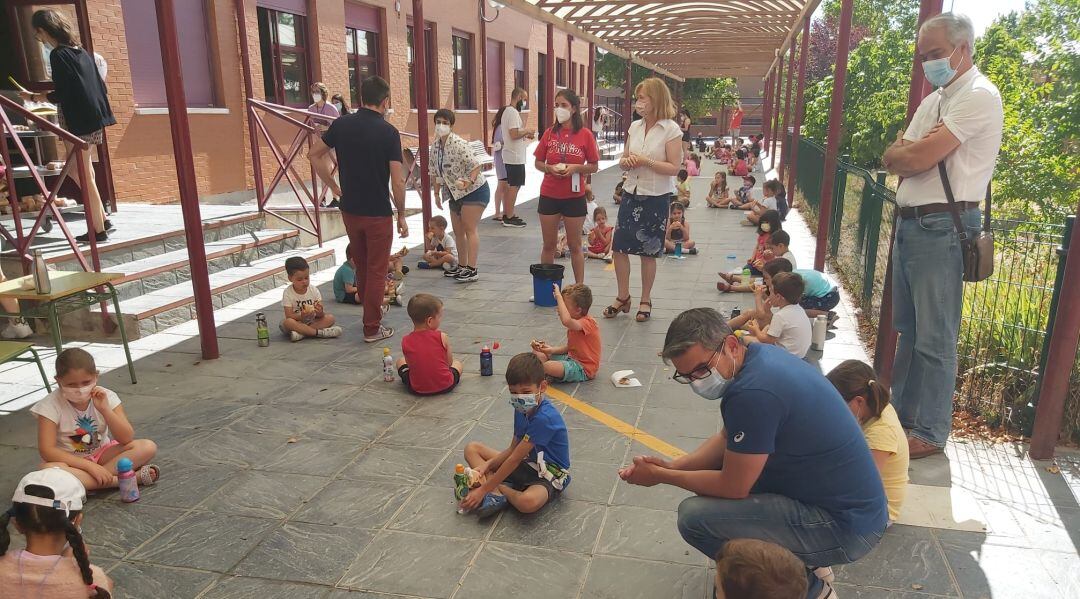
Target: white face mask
{"points": [[642, 107], [711, 387], [442, 129], [562, 114], [523, 402], [48, 47], [317, 97], [338, 106], [77, 394]]}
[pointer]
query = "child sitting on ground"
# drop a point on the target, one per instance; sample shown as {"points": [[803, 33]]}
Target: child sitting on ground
{"points": [[693, 165], [48, 510], [739, 167], [719, 195], [868, 401], [600, 236], [821, 295], [347, 292], [83, 429], [579, 359], [789, 327], [678, 230], [616, 196], [723, 155], [743, 198], [682, 188], [777, 247], [535, 468], [590, 211], [767, 202], [752, 568], [770, 223], [441, 250], [305, 315], [428, 366]]}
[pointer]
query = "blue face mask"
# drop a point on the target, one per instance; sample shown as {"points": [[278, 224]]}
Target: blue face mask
{"points": [[523, 402], [939, 72], [711, 387]]}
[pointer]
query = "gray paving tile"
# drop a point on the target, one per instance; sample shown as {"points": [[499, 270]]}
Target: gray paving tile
{"points": [[139, 581], [454, 405], [562, 524], [617, 578], [256, 588], [659, 497], [186, 486], [225, 448], [305, 553], [373, 399], [667, 422], [115, 528], [645, 534], [205, 541], [850, 591], [591, 481], [575, 419], [206, 414], [508, 570], [605, 446], [313, 456], [433, 510], [987, 570], [382, 564], [363, 427], [354, 504], [424, 431], [346, 594], [260, 494], [317, 396], [393, 463], [905, 556]]}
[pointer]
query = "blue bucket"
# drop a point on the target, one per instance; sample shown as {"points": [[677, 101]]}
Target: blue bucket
{"points": [[544, 275]]}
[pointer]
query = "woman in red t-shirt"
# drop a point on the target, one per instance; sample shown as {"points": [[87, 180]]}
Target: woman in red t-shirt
{"points": [[566, 154]]}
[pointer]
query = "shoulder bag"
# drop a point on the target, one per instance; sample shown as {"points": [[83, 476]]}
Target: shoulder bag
{"points": [[978, 253]]}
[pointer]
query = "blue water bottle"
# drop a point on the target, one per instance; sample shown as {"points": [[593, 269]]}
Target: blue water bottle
{"points": [[485, 361], [678, 249]]}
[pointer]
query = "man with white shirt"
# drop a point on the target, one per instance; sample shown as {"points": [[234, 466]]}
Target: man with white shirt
{"points": [[514, 149], [959, 124]]}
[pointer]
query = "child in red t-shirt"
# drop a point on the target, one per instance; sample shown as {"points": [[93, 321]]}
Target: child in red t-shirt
{"points": [[600, 236], [579, 359], [428, 366]]}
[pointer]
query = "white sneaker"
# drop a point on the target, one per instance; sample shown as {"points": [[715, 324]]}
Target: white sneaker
{"points": [[329, 332], [451, 271], [17, 329], [294, 336], [825, 573], [384, 333]]}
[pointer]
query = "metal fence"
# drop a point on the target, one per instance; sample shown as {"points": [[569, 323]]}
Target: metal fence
{"points": [[1005, 318]]}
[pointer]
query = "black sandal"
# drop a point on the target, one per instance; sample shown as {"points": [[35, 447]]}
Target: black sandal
{"points": [[621, 305], [643, 315]]}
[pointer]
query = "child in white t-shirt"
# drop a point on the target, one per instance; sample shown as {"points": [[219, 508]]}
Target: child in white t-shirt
{"points": [[789, 328], [441, 250], [767, 202], [777, 247], [302, 302], [89, 426]]}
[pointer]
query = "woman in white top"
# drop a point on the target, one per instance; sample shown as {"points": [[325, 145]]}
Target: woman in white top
{"points": [[652, 158]]}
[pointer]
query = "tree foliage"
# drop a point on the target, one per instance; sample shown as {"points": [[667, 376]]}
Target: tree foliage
{"points": [[703, 95]]}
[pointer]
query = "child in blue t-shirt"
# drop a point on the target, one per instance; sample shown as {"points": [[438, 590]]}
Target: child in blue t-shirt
{"points": [[345, 289], [821, 294], [535, 468]]}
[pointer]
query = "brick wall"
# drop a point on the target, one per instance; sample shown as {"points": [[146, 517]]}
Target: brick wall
{"points": [[140, 144]]}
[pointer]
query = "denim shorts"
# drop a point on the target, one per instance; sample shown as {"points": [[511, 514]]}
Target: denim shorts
{"points": [[573, 371], [480, 197], [823, 303]]}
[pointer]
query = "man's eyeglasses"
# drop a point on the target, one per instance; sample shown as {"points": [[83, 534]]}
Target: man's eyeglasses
{"points": [[699, 372]]}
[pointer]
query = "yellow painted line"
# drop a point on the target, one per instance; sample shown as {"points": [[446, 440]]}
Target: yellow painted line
{"points": [[610, 266], [629, 430]]}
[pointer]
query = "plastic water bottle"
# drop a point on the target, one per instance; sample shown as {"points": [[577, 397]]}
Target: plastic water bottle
{"points": [[40, 272], [746, 274], [262, 330], [387, 365], [129, 486], [486, 361], [678, 249], [819, 332], [461, 482]]}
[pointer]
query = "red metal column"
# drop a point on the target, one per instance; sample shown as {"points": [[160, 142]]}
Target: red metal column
{"points": [[245, 67], [185, 176], [885, 348], [569, 61], [1061, 355], [628, 93], [832, 143], [774, 110], [483, 78], [420, 80], [800, 108], [591, 84], [784, 149], [549, 77], [766, 113]]}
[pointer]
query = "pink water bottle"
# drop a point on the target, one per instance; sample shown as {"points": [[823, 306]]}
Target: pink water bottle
{"points": [[129, 486]]}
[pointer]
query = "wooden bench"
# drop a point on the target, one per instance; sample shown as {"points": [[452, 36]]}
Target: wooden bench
{"points": [[12, 351]]}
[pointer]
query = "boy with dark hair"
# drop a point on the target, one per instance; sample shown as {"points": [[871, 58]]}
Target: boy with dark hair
{"points": [[789, 327], [752, 568], [304, 312], [579, 359], [428, 366], [441, 250], [535, 468], [778, 246]]}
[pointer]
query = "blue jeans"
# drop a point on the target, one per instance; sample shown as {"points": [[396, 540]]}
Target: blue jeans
{"points": [[928, 290], [809, 532]]}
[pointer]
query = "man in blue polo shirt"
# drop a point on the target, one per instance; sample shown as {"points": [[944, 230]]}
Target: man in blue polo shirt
{"points": [[791, 465]]}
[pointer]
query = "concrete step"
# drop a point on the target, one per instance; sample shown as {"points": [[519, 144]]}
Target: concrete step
{"points": [[164, 270], [175, 304]]}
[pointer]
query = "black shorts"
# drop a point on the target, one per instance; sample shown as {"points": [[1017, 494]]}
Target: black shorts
{"points": [[515, 174], [403, 372], [350, 298], [524, 477], [572, 208]]}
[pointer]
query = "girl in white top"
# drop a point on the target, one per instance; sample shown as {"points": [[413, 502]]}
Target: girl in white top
{"points": [[652, 157]]}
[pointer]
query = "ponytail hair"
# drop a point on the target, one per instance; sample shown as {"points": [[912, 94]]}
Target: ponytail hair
{"points": [[853, 378]]}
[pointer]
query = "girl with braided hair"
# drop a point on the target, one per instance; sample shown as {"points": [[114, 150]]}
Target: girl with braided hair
{"points": [[47, 510]]}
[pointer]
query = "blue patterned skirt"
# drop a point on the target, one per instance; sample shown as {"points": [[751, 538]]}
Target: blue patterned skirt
{"points": [[642, 224]]}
